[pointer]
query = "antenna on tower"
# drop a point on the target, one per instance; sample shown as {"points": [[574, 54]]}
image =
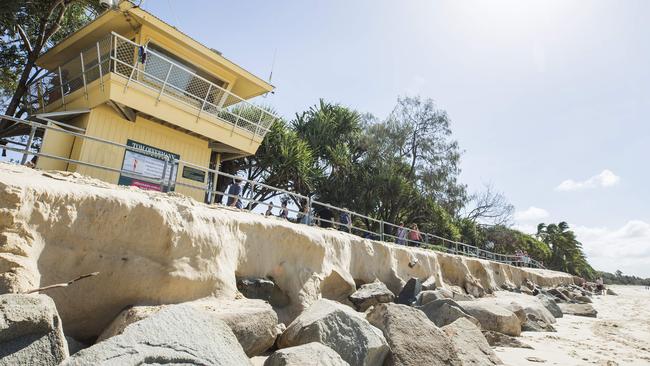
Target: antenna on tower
{"points": [[272, 65]]}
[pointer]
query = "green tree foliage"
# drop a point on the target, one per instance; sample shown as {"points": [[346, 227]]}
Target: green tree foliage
{"points": [[28, 28], [618, 278], [566, 250], [507, 240]]}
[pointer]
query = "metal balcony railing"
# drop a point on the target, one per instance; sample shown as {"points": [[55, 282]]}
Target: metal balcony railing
{"points": [[118, 55], [357, 224]]}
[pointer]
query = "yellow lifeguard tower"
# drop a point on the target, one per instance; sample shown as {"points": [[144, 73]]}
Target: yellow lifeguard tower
{"points": [[132, 79]]}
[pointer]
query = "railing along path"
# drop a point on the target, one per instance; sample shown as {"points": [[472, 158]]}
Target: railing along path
{"points": [[375, 229]]}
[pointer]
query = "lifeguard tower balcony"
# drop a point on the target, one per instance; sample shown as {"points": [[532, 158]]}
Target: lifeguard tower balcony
{"points": [[129, 77]]}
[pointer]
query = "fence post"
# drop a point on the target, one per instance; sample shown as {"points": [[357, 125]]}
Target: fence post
{"points": [[83, 74], [164, 174], [162, 89], [381, 230], [171, 172], [99, 66], [32, 132], [61, 87], [309, 215], [250, 202], [204, 101]]}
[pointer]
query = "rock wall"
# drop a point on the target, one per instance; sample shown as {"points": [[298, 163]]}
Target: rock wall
{"points": [[154, 248]]}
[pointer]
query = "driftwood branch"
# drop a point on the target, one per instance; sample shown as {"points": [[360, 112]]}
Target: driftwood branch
{"points": [[66, 284]]}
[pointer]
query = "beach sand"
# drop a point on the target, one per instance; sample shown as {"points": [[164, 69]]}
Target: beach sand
{"points": [[620, 335]]}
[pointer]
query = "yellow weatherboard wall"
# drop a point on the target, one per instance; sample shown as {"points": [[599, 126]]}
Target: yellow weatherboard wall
{"points": [[105, 123]]}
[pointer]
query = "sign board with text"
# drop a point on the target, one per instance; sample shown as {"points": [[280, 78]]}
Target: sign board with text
{"points": [[144, 168]]}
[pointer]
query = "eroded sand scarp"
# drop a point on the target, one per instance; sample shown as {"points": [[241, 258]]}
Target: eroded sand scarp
{"points": [[154, 248]]}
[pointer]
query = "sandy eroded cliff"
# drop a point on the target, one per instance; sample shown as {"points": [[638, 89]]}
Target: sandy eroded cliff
{"points": [[154, 248]]}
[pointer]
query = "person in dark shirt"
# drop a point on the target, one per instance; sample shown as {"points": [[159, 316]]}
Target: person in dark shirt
{"points": [[325, 214], [344, 219], [234, 192]]}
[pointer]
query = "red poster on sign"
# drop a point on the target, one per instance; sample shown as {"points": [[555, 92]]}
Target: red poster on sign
{"points": [[145, 185]]}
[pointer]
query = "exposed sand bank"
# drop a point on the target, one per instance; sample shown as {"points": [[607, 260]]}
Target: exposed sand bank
{"points": [[153, 248], [620, 335]]}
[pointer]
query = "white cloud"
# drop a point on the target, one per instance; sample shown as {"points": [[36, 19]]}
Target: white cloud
{"points": [[532, 213], [606, 178], [626, 248]]}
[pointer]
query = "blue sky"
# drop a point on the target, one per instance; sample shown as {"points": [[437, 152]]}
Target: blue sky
{"points": [[539, 92]]}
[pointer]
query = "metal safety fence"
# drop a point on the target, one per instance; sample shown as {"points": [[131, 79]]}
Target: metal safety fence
{"points": [[303, 210], [153, 68]]}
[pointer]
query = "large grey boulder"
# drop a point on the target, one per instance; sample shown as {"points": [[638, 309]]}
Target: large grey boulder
{"points": [[178, 334], [431, 295], [445, 311], [413, 338], [429, 284], [535, 324], [340, 328], [496, 339], [409, 294], [579, 310], [262, 289], [371, 294], [473, 286], [30, 331], [549, 303], [310, 354], [253, 322], [494, 317], [470, 344]]}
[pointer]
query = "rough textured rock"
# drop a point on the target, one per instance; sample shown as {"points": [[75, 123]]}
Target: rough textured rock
{"points": [[429, 295], [611, 292], [550, 305], [445, 311], [409, 294], [535, 324], [579, 310], [473, 286], [518, 310], [559, 294], [371, 294], [413, 339], [310, 354], [582, 299], [172, 249], [496, 339], [262, 289], [30, 331], [340, 328], [178, 334], [494, 317], [470, 344], [74, 345], [253, 322], [429, 284]]}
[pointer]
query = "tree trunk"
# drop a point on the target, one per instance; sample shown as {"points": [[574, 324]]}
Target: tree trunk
{"points": [[21, 88]]}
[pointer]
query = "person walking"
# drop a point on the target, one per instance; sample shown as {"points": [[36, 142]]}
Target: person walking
{"points": [[304, 217], [414, 236], [344, 220], [401, 234], [234, 194], [284, 211], [325, 215]]}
